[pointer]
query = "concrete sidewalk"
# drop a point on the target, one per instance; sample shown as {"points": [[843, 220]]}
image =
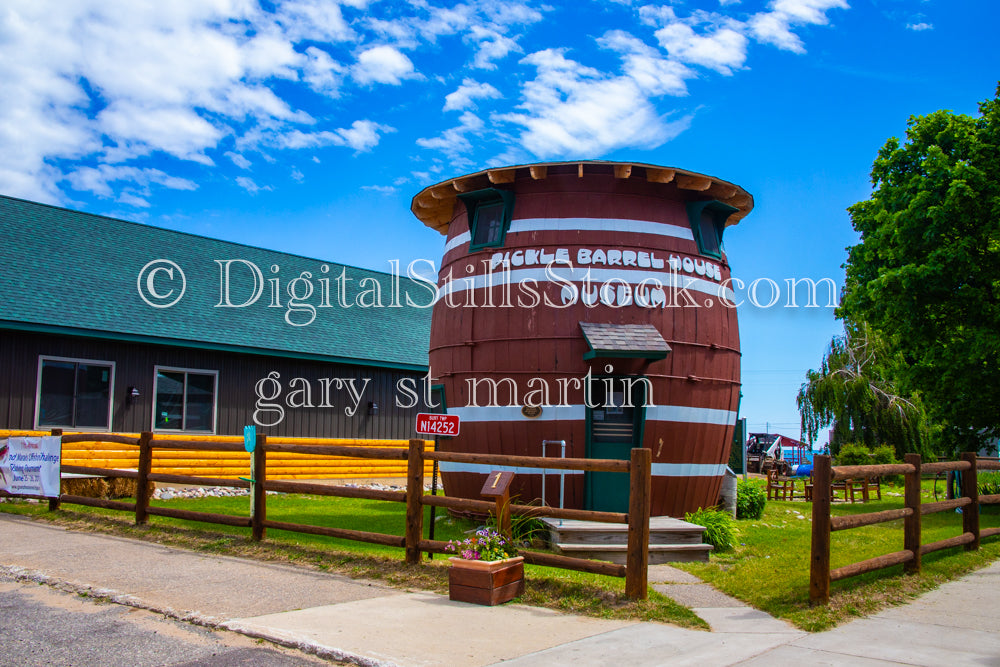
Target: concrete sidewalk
{"points": [[370, 624]]}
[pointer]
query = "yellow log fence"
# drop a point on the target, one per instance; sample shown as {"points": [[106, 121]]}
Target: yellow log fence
{"points": [[230, 465]]}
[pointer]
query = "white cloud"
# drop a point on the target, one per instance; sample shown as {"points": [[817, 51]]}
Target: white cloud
{"points": [[363, 135], [315, 20], [774, 26], [129, 86], [132, 199], [117, 81], [238, 160], [453, 142], [572, 110], [652, 73], [466, 94], [491, 46], [919, 27], [99, 179], [721, 50], [140, 130], [382, 189], [657, 15], [249, 185], [323, 73], [297, 175], [383, 64]]}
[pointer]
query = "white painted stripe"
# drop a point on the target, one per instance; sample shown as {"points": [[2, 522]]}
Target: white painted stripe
{"points": [[587, 225], [596, 277], [659, 413], [461, 239], [601, 224], [658, 469], [513, 413], [690, 415], [485, 469], [688, 469]]}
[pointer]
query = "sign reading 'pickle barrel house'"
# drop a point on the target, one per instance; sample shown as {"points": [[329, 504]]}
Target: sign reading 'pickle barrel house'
{"points": [[30, 466]]}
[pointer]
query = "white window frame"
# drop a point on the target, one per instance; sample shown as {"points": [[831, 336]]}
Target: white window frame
{"points": [[38, 394], [215, 399]]}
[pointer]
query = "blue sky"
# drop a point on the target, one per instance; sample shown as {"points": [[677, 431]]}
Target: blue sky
{"points": [[307, 126]]}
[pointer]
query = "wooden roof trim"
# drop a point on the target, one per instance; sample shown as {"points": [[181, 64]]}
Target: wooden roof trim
{"points": [[502, 175], [660, 175], [435, 204], [693, 182]]}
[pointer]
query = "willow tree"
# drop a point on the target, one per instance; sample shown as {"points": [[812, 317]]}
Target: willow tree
{"points": [[853, 392]]}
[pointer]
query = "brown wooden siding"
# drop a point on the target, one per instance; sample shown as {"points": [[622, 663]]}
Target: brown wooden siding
{"points": [[238, 374]]}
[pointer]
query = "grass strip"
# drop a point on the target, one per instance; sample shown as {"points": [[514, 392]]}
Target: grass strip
{"points": [[572, 592], [769, 568]]}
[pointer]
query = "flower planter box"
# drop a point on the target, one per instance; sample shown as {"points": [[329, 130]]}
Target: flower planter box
{"points": [[488, 582]]}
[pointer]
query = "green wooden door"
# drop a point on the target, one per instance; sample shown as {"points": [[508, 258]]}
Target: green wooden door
{"points": [[613, 429]]}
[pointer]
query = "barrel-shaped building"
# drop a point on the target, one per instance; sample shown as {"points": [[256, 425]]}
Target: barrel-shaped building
{"points": [[585, 309]]}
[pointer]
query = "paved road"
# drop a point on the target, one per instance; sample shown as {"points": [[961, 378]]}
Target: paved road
{"points": [[43, 626]]}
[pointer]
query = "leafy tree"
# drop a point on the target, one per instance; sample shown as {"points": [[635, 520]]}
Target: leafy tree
{"points": [[854, 392], [926, 274]]}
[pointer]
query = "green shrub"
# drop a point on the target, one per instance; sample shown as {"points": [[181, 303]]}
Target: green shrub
{"points": [[989, 483], [854, 454], [750, 500], [857, 454], [720, 528], [883, 455]]}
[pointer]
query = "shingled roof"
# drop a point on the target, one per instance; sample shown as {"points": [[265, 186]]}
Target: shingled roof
{"points": [[74, 273], [624, 340]]}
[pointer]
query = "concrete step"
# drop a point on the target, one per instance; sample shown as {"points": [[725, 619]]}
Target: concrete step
{"points": [[658, 553], [662, 530], [670, 540], [621, 537]]}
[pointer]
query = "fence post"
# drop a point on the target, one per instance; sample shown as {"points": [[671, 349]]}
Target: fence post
{"points": [[911, 524], [819, 570], [54, 502], [258, 500], [142, 481], [637, 562], [414, 504], [970, 513]]}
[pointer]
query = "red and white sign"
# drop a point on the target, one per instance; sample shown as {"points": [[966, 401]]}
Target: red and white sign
{"points": [[437, 424]]}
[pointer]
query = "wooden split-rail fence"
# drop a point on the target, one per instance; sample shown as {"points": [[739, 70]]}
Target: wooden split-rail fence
{"points": [[416, 457], [823, 524]]}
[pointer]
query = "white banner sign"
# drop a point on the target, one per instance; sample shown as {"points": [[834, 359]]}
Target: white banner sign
{"points": [[30, 466]]}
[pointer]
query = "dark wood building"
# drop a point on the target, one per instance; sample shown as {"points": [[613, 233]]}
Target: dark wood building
{"points": [[113, 325]]}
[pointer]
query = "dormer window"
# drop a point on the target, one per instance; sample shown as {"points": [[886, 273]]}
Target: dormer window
{"points": [[489, 213], [708, 220]]}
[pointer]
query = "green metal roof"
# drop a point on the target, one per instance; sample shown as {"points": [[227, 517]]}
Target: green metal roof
{"points": [[75, 273]]}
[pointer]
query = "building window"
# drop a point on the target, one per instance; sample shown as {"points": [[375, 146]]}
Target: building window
{"points": [[74, 393], [708, 220], [490, 213], [184, 400]]}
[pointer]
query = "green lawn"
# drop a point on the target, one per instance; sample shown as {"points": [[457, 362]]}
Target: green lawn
{"points": [[769, 568]]}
